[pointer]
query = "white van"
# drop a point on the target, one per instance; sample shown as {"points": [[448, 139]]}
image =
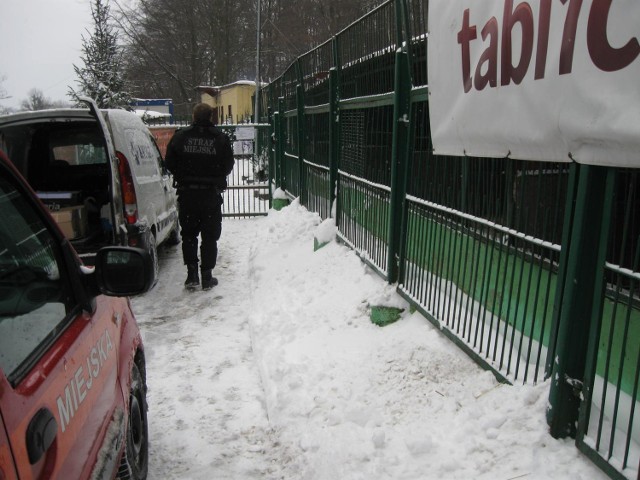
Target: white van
{"points": [[100, 173]]}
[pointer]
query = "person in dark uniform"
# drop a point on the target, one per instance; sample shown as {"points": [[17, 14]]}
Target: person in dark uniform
{"points": [[200, 157]]}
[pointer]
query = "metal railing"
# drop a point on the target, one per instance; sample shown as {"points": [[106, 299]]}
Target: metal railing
{"points": [[609, 428], [477, 270]]}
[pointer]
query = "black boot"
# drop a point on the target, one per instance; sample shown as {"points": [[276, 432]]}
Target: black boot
{"points": [[193, 280], [208, 280]]}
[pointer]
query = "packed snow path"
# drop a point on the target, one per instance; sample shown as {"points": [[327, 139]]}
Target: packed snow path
{"points": [[206, 407], [277, 373]]}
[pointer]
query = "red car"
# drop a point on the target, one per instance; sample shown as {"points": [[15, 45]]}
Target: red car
{"points": [[72, 370]]}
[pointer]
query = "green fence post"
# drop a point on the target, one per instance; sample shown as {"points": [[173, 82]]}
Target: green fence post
{"points": [[282, 143], [585, 261], [302, 184], [274, 160], [270, 159], [256, 139], [400, 150], [399, 144], [572, 188], [334, 136]]}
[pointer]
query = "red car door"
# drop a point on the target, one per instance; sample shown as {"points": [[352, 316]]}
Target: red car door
{"points": [[60, 399], [7, 468]]}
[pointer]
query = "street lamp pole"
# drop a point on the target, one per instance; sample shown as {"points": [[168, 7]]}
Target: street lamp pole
{"points": [[257, 103]]}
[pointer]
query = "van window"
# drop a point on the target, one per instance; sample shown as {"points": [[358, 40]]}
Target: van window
{"points": [[43, 153], [35, 297], [77, 148]]}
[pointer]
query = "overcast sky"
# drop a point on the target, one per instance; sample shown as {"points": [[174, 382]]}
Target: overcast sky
{"points": [[40, 41]]}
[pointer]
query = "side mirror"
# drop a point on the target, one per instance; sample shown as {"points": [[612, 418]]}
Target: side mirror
{"points": [[124, 271]]}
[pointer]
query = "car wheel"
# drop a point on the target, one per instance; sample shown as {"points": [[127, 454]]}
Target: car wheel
{"points": [[137, 447]]}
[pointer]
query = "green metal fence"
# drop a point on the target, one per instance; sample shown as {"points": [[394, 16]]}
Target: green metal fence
{"points": [[532, 268], [609, 427], [483, 253]]}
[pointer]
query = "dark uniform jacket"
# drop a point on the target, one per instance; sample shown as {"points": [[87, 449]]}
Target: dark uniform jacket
{"points": [[199, 156]]}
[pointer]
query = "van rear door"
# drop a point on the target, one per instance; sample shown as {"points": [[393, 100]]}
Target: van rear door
{"points": [[117, 208], [168, 213]]}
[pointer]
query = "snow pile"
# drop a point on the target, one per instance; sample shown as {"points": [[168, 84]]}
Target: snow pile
{"points": [[280, 194], [326, 231], [352, 400]]}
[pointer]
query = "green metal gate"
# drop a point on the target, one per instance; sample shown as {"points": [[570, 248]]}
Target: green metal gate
{"points": [[248, 193]]}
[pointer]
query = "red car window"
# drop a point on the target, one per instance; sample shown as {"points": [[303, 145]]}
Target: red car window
{"points": [[33, 296]]}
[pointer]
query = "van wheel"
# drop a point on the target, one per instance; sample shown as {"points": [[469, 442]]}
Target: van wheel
{"points": [[137, 447], [152, 248]]}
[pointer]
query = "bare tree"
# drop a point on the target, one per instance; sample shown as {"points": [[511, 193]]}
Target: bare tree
{"points": [[36, 100], [290, 32], [170, 54], [3, 93], [174, 46]]}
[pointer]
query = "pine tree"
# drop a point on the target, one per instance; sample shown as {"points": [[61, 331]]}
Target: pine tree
{"points": [[102, 76]]}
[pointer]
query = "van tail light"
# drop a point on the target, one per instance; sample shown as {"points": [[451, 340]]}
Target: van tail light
{"points": [[128, 189]]}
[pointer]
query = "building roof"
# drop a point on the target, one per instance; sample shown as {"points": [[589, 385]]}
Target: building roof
{"points": [[215, 89]]}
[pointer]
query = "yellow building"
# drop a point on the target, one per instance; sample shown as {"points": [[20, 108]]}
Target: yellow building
{"points": [[232, 103]]}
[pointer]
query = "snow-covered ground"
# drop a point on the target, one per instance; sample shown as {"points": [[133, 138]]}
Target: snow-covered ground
{"points": [[278, 373]]}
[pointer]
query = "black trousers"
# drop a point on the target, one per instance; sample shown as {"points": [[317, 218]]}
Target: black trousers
{"points": [[200, 213]]}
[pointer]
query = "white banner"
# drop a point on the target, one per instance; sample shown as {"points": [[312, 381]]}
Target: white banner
{"points": [[552, 80]]}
